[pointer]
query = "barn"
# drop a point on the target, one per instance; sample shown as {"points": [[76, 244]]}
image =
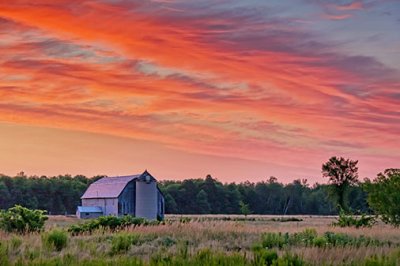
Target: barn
{"points": [[136, 195]]}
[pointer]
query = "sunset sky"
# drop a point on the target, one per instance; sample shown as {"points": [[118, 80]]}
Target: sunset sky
{"points": [[241, 90]]}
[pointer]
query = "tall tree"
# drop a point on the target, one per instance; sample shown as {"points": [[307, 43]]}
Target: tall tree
{"points": [[341, 173]]}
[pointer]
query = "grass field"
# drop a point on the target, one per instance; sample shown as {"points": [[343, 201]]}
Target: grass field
{"points": [[211, 239]]}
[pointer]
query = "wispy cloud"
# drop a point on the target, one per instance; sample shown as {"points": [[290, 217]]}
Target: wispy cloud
{"points": [[221, 80]]}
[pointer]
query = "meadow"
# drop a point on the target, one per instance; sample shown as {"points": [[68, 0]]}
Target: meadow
{"points": [[207, 240]]}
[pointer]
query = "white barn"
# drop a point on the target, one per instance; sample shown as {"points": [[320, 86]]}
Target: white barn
{"points": [[136, 195]]}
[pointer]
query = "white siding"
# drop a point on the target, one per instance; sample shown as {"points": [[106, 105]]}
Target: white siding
{"points": [[109, 206], [146, 200]]}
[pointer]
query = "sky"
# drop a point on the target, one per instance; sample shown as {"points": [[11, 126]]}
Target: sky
{"points": [[241, 90]]}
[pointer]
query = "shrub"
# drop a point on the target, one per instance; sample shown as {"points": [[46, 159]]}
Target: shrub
{"points": [[122, 242], [320, 241], [22, 220], [264, 256], [55, 239], [348, 220], [306, 237], [271, 240], [109, 222]]}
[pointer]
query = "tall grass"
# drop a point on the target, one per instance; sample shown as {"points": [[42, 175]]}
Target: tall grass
{"points": [[55, 239], [259, 242]]}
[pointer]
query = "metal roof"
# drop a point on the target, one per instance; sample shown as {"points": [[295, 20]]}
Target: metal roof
{"points": [[108, 187], [94, 209]]}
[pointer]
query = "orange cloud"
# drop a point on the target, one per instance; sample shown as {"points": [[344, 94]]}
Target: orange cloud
{"points": [[338, 17], [222, 84], [356, 5]]}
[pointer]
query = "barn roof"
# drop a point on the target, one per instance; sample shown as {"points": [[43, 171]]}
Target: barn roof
{"points": [[110, 187]]}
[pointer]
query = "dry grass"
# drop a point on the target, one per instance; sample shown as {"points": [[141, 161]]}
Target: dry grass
{"points": [[200, 233]]}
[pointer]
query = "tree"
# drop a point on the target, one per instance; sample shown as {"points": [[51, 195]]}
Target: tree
{"points": [[384, 196], [342, 173], [203, 206], [244, 208]]}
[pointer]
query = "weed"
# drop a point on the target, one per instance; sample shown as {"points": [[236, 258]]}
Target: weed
{"points": [[55, 239], [16, 242], [122, 242]]}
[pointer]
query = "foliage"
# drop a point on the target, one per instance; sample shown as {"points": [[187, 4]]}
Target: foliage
{"points": [[122, 242], [244, 208], [61, 194], [110, 223], [56, 239], [310, 238], [207, 257], [22, 220], [272, 240], [57, 195], [342, 173], [264, 256], [384, 196], [349, 220]]}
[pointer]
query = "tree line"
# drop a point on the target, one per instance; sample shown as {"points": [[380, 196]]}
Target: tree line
{"points": [[61, 194], [343, 193]]}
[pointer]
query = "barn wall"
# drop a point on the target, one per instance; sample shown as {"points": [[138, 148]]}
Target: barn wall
{"points": [[109, 206], [126, 201], [88, 215], [146, 200]]}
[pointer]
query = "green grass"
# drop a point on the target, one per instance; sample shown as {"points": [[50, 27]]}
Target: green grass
{"points": [[310, 238]]}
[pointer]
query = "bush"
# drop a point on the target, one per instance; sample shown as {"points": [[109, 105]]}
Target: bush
{"points": [[109, 222], [306, 237], [320, 241], [264, 256], [55, 239], [122, 242], [271, 240], [348, 220], [22, 220]]}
